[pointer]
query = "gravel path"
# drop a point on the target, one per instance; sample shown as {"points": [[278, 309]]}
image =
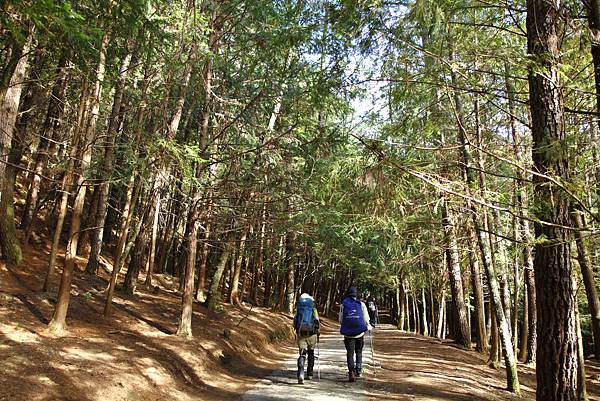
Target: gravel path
{"points": [[282, 384]]}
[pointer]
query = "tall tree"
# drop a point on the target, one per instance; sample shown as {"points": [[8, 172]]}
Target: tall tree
{"points": [[556, 362]]}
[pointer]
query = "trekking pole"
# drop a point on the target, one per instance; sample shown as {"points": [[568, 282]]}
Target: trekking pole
{"points": [[318, 360], [372, 352]]}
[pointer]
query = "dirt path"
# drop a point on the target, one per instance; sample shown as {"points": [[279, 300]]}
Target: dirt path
{"points": [[408, 367], [334, 386]]}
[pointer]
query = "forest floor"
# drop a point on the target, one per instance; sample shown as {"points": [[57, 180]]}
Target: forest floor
{"points": [[133, 355]]}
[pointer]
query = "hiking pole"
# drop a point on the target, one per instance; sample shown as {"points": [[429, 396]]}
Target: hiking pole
{"points": [[318, 360], [372, 351]]}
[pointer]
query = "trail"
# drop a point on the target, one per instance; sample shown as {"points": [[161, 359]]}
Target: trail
{"points": [[409, 367], [282, 384]]}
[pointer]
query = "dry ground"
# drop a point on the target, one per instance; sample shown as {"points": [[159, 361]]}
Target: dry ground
{"points": [[413, 367], [133, 355]]}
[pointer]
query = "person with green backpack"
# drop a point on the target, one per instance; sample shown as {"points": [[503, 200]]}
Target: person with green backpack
{"points": [[307, 326]]}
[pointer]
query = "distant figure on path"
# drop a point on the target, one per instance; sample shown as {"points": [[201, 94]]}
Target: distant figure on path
{"points": [[354, 319], [373, 310], [307, 325]]}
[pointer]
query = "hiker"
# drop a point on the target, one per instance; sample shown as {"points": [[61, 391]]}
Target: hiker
{"points": [[354, 319], [373, 311], [307, 325]]}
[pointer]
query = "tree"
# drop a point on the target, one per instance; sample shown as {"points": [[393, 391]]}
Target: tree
{"points": [[556, 362]]}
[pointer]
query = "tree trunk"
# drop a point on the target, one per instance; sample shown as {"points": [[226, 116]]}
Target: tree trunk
{"points": [[214, 295], [233, 293], [440, 332], [525, 326], [200, 291], [107, 169], [532, 312], [66, 183], [556, 365], [58, 323], [424, 325], [477, 286], [463, 335], [140, 252], [9, 109], [587, 272], [290, 287], [185, 323], [581, 387], [502, 321], [131, 196], [494, 343], [49, 132]]}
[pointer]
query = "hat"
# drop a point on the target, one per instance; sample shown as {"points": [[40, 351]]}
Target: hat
{"points": [[352, 292], [305, 295]]}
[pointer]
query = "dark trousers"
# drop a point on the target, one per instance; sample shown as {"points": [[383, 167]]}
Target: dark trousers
{"points": [[354, 346]]}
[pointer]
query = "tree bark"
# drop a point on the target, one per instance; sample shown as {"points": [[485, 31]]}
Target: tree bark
{"points": [[234, 298], [587, 272], [556, 365], [9, 109], [477, 287], [214, 295], [200, 291], [463, 335], [107, 168]]}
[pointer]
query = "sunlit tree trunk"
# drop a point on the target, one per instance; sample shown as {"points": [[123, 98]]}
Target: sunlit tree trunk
{"points": [[463, 335], [234, 298], [477, 287], [107, 169], [556, 362], [9, 109], [214, 293]]}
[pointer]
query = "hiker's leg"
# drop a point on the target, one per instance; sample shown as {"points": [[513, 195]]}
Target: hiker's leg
{"points": [[350, 347], [312, 342], [302, 347], [311, 363], [360, 342], [349, 343], [301, 360]]}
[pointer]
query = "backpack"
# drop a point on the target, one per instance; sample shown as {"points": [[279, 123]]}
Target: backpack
{"points": [[353, 321], [304, 321]]}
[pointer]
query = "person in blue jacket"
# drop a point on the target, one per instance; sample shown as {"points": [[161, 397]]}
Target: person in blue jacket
{"points": [[354, 319]]}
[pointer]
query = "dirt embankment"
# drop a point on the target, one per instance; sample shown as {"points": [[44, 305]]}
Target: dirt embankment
{"points": [[133, 355]]}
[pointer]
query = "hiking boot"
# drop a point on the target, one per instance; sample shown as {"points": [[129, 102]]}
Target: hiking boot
{"points": [[358, 372], [351, 376]]}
